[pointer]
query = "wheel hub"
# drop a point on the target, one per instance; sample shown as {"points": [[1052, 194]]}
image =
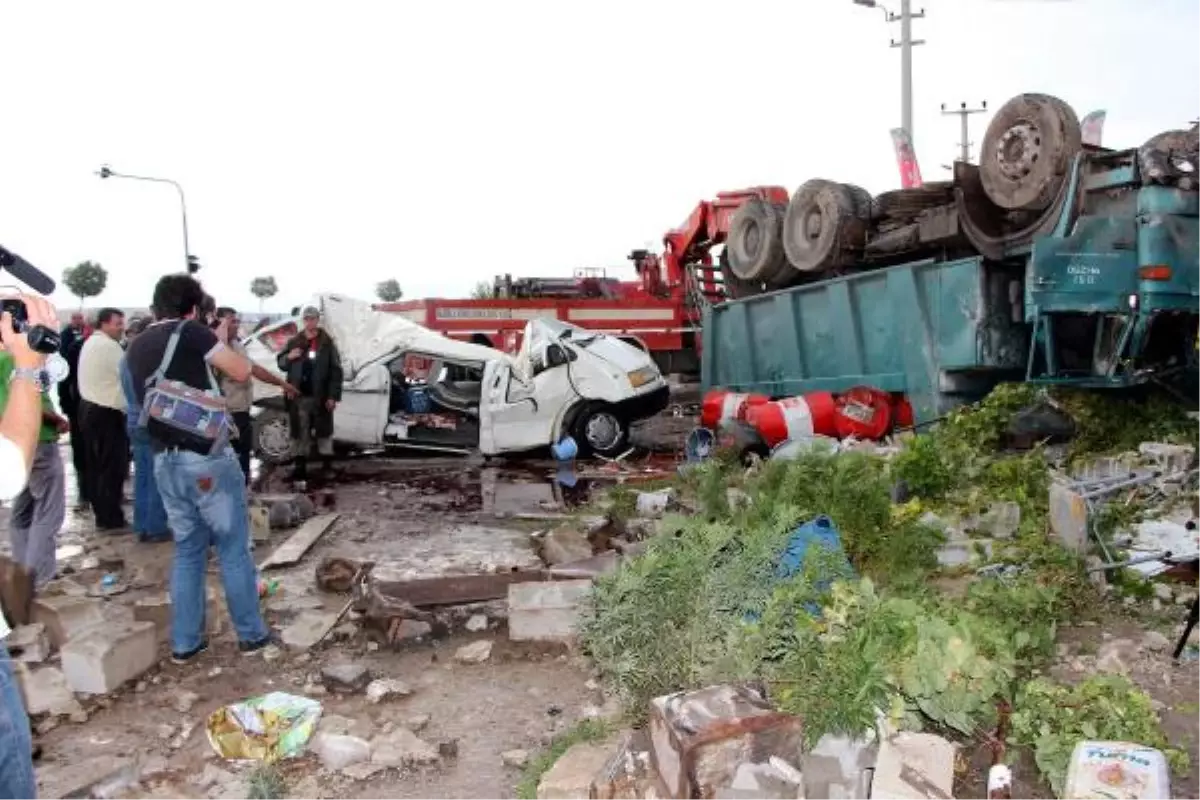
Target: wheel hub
{"points": [[602, 431], [275, 439], [812, 224], [1018, 150]]}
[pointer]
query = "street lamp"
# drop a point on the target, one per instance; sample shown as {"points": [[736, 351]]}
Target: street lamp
{"points": [[906, 44], [106, 171]]}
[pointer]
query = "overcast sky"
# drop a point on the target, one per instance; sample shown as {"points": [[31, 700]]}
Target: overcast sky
{"points": [[334, 145]]}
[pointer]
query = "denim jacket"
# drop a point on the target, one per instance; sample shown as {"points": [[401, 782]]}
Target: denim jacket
{"points": [[133, 410]]}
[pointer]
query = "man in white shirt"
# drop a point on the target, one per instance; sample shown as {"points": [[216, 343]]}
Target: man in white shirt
{"points": [[20, 426], [102, 420]]}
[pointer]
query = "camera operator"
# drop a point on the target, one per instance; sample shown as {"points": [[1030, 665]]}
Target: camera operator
{"points": [[20, 428]]}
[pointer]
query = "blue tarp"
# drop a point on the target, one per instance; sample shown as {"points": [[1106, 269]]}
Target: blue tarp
{"points": [[823, 533]]}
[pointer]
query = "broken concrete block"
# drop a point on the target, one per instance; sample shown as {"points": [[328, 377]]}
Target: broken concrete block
{"points": [[338, 751], [564, 545], [629, 771], [29, 643], [589, 568], [1069, 517], [572, 775], [839, 766], [306, 629], [914, 766], [260, 523], [402, 748], [545, 611], [474, 653], [700, 738], [1000, 521], [387, 689], [101, 660], [517, 759], [45, 691], [651, 505], [1170, 458], [477, 623], [155, 609], [345, 677], [958, 553], [756, 781], [66, 616]]}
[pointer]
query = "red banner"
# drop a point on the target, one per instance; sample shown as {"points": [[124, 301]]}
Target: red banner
{"points": [[906, 159], [1092, 128]]}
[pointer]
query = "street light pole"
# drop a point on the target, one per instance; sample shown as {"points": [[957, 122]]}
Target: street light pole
{"points": [[107, 172], [963, 112], [906, 44]]}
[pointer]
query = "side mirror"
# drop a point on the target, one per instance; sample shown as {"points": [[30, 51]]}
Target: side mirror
{"points": [[556, 356]]}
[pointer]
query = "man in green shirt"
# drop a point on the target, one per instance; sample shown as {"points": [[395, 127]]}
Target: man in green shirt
{"points": [[38, 511]]}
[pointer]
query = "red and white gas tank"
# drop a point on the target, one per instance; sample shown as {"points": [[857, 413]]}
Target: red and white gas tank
{"points": [[722, 405], [794, 418]]}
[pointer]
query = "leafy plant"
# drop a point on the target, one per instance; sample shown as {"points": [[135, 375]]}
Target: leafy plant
{"points": [[266, 782], [389, 291], [482, 290], [85, 279], [264, 289], [1052, 719]]}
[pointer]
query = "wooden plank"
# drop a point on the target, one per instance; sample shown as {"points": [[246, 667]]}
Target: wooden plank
{"points": [[295, 547]]}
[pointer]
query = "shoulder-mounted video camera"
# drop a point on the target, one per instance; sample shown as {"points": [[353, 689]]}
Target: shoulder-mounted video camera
{"points": [[41, 339]]}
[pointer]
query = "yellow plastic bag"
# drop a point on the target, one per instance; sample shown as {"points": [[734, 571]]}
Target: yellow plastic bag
{"points": [[266, 728]]}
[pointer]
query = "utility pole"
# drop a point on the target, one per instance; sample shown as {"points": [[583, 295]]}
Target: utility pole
{"points": [[963, 112], [906, 44]]}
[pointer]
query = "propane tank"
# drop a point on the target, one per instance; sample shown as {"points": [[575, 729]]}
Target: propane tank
{"points": [[794, 418], [864, 413], [722, 405]]}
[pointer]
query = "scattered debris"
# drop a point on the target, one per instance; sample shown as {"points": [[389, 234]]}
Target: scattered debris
{"points": [[700, 738], [29, 643], [338, 751], [574, 772], [654, 504], [345, 677], [265, 728], [477, 623], [416, 723], [474, 653], [45, 690], [385, 689], [840, 766], [307, 629], [629, 771], [401, 748], [517, 759], [291, 551], [99, 661], [184, 701], [564, 545], [914, 765], [545, 611]]}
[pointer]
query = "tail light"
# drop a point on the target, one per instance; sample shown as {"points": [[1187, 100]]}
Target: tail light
{"points": [[1155, 272]]}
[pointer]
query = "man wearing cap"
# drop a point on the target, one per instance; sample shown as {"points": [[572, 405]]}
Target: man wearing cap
{"points": [[311, 362]]}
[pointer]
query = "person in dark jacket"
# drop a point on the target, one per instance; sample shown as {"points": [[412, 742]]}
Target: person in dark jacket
{"points": [[311, 362], [71, 342]]}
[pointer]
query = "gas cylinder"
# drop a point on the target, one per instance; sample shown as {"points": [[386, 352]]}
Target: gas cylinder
{"points": [[864, 413], [722, 405], [794, 417]]}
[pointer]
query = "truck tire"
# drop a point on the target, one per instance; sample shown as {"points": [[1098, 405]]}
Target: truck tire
{"points": [[273, 437], [755, 242], [824, 226], [1027, 151], [735, 287], [905, 204], [862, 202], [599, 429]]}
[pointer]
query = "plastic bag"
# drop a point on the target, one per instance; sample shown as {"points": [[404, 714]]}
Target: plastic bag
{"points": [[266, 728]]}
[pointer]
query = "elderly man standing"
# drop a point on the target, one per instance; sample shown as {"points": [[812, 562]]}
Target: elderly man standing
{"points": [[102, 417], [311, 362]]}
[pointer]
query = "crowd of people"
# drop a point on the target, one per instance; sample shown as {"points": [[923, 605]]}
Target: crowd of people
{"points": [[171, 396]]}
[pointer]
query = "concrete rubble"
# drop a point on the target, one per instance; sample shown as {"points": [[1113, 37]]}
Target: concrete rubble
{"points": [[338, 751], [384, 689], [914, 766], [45, 691], [573, 773], [402, 748], [101, 660], [345, 677], [474, 653], [840, 766], [66, 616], [29, 643], [545, 611]]}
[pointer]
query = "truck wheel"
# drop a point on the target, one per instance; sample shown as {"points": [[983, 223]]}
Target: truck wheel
{"points": [[601, 430], [734, 286], [755, 242], [1027, 151], [823, 227], [273, 437]]}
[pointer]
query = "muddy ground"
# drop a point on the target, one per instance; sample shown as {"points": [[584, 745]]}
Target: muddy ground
{"points": [[414, 507]]}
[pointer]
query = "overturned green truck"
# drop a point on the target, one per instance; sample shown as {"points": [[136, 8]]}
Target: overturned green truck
{"points": [[1050, 262]]}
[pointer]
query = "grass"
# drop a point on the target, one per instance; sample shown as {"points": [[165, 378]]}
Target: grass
{"points": [[266, 782], [706, 605], [588, 730]]}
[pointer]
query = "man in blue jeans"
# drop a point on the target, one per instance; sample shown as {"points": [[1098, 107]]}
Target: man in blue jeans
{"points": [[149, 515], [201, 487]]}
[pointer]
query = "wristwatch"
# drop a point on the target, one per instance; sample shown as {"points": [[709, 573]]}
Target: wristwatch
{"points": [[35, 376]]}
